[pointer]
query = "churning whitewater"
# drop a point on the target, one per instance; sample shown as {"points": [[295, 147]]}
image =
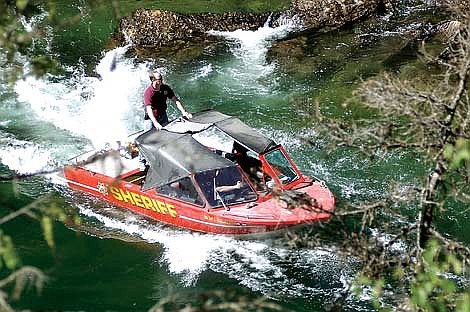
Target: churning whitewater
{"points": [[84, 112]]}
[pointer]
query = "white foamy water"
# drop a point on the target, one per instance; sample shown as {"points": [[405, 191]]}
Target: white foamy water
{"points": [[203, 72], [186, 253], [250, 49], [25, 157], [103, 109], [255, 264]]}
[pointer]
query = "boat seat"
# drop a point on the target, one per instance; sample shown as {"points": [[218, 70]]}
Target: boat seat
{"points": [[113, 165]]}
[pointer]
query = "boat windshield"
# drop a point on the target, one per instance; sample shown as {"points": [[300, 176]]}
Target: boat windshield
{"points": [[224, 187], [281, 166], [183, 189]]}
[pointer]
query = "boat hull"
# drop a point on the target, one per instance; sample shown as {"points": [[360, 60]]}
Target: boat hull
{"points": [[267, 214]]}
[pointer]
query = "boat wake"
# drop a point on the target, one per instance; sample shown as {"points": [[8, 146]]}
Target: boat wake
{"points": [[27, 156], [80, 103], [268, 266]]}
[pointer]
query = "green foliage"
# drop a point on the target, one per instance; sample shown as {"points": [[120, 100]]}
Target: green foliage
{"points": [[22, 277], [458, 154], [50, 212], [431, 290], [463, 304], [44, 64], [8, 256], [16, 38], [217, 301], [22, 4], [47, 229], [376, 287]]}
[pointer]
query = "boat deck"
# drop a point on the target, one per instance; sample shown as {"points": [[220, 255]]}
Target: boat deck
{"points": [[109, 163]]}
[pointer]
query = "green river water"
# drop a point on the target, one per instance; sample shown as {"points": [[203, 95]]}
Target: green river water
{"points": [[117, 261]]}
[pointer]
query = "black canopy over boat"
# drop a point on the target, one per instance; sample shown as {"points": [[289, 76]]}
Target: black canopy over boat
{"points": [[172, 153]]}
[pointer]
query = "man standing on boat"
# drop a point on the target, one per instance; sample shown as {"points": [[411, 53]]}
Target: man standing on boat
{"points": [[155, 97]]}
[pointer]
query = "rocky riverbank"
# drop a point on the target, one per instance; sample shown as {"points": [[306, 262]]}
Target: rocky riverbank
{"points": [[150, 30]]}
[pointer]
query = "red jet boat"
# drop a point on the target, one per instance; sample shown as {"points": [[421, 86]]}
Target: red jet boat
{"points": [[211, 174]]}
